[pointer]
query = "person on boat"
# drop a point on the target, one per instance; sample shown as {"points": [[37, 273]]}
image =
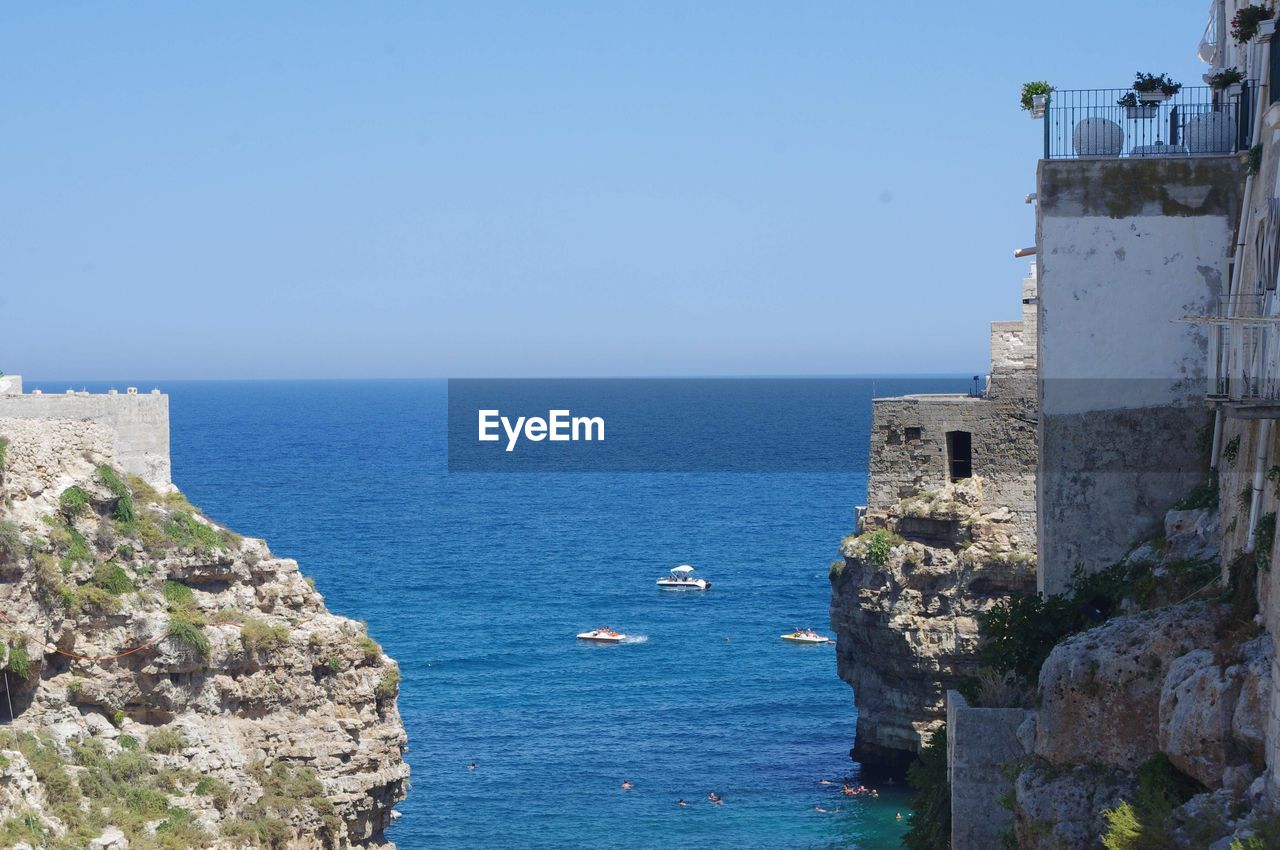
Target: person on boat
{"points": [[626, 785]]}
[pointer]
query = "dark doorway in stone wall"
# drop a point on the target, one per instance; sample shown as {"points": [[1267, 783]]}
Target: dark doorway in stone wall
{"points": [[960, 454]]}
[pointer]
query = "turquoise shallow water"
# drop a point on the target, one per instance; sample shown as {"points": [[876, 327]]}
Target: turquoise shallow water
{"points": [[477, 584]]}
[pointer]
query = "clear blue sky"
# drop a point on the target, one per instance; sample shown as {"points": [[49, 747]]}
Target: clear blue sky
{"points": [[239, 190]]}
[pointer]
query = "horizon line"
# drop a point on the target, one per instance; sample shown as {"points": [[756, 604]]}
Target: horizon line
{"points": [[71, 384]]}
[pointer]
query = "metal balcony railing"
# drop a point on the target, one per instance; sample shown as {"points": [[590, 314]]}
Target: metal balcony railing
{"points": [[1244, 359], [1196, 121]]}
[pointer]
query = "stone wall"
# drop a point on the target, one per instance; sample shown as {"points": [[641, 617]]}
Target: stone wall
{"points": [[1127, 249], [1235, 473], [139, 423], [980, 743], [909, 450]]}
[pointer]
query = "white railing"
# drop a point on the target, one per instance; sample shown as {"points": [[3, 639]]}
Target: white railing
{"points": [[1244, 358]]}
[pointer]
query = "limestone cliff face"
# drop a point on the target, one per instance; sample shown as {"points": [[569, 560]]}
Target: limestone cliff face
{"points": [[905, 619], [1188, 682], [171, 681]]}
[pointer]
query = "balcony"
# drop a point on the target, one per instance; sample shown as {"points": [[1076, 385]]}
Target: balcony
{"points": [[1244, 356], [1196, 121]]}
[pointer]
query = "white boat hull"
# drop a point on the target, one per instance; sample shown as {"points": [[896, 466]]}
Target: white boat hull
{"points": [[805, 639], [691, 584], [602, 637]]}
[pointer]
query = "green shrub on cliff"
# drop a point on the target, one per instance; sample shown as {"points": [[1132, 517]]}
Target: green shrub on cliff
{"points": [[187, 627], [73, 502], [931, 806], [123, 510], [879, 545], [389, 684], [178, 595], [288, 793], [11, 547], [17, 661], [1018, 635], [113, 579], [257, 635], [183, 529], [165, 741], [1144, 823]]}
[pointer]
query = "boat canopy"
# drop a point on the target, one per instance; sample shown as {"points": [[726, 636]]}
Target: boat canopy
{"points": [[683, 569]]}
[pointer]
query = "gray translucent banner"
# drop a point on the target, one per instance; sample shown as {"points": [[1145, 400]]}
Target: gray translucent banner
{"points": [[669, 424]]}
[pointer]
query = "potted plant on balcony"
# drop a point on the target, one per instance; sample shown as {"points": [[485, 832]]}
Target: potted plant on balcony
{"points": [[1135, 110], [1153, 88], [1035, 97], [1223, 78], [1253, 20]]}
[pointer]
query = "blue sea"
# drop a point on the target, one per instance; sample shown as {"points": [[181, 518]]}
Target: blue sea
{"points": [[477, 584]]}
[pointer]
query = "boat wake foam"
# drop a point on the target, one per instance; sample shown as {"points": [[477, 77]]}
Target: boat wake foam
{"points": [[637, 639]]}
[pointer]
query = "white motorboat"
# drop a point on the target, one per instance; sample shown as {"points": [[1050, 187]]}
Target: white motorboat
{"points": [[681, 578], [605, 635], [806, 636]]}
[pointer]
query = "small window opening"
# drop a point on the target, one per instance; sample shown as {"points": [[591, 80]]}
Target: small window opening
{"points": [[960, 454], [913, 435]]}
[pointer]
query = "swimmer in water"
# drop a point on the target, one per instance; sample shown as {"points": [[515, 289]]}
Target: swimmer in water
{"points": [[715, 798], [471, 766], [898, 816], [681, 803], [825, 782], [626, 785]]}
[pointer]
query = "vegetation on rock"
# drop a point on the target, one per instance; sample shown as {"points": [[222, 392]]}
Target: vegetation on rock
{"points": [[931, 806], [1017, 636], [1144, 823]]}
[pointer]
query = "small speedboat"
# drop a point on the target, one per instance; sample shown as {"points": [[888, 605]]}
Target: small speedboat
{"points": [[681, 578], [806, 636], [605, 635]]}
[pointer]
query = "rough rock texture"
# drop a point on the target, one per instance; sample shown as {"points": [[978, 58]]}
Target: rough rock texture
{"points": [[1161, 681], [1214, 718], [1100, 690], [906, 629], [282, 681], [1059, 808]]}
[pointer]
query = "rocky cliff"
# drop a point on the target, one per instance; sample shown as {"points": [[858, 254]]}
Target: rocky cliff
{"points": [[1150, 728], [169, 683], [904, 606]]}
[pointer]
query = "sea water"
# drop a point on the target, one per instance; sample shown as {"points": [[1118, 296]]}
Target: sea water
{"points": [[477, 584]]}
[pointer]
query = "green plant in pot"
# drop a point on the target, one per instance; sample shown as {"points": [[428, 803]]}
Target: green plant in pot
{"points": [[1154, 88], [1035, 97], [1248, 21], [1134, 109], [1223, 78]]}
